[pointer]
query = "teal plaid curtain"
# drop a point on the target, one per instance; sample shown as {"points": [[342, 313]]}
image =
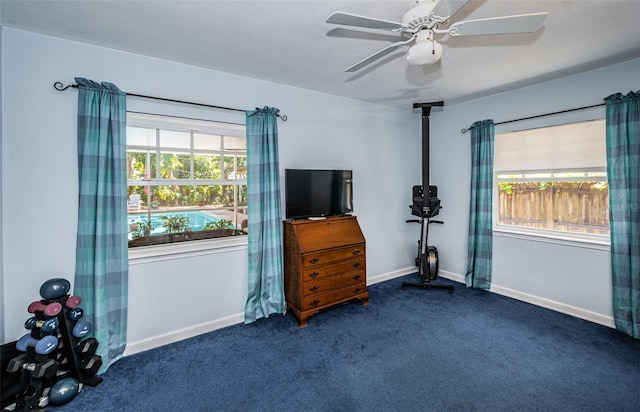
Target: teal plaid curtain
{"points": [[101, 248], [266, 269], [623, 174], [480, 222]]}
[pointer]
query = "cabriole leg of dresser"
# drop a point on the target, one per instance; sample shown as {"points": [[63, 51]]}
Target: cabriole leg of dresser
{"points": [[364, 299], [302, 316]]}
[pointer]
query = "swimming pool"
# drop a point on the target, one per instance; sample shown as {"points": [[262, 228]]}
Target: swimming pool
{"points": [[197, 220]]}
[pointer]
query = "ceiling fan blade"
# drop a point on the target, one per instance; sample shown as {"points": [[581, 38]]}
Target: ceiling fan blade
{"points": [[447, 8], [375, 56], [348, 19], [521, 23]]}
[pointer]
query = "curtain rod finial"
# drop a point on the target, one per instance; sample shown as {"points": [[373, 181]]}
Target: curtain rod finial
{"points": [[60, 87]]}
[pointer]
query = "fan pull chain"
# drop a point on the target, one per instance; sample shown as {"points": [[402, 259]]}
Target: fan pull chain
{"points": [[433, 44]]}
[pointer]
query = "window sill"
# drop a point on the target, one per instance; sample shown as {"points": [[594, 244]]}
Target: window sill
{"points": [[146, 254], [580, 242]]}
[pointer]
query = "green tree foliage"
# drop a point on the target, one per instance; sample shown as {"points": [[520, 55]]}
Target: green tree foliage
{"points": [[178, 166], [219, 224]]}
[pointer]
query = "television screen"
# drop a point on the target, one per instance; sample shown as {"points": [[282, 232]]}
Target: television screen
{"points": [[317, 193]]}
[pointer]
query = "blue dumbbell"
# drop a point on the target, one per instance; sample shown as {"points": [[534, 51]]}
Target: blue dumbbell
{"points": [[75, 313], [81, 329], [31, 322], [43, 346], [46, 326], [63, 391], [54, 288]]}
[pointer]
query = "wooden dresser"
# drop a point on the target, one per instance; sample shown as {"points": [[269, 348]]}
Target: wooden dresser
{"points": [[325, 264]]}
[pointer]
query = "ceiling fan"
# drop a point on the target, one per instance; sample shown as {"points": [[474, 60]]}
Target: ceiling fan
{"points": [[431, 17]]}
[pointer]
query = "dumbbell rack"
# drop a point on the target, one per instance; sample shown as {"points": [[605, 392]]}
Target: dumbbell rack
{"points": [[39, 372], [67, 344]]}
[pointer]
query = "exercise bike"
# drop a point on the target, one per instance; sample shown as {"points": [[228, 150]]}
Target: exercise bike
{"points": [[427, 258]]}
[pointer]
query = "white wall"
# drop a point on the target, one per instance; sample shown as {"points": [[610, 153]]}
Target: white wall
{"points": [[199, 293], [171, 299], [571, 279]]}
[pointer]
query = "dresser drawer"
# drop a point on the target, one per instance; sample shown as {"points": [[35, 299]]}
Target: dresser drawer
{"points": [[330, 256], [326, 284], [319, 300], [330, 270]]}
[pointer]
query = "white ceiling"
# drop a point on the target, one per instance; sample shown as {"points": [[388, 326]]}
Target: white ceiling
{"points": [[289, 42]]}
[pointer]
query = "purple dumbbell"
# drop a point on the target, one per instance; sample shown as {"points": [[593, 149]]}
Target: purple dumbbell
{"points": [[73, 302], [52, 309]]}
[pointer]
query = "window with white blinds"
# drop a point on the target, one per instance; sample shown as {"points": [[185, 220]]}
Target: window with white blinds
{"points": [[553, 179]]}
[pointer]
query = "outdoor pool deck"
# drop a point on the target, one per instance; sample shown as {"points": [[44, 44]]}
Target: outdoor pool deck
{"points": [[218, 213]]}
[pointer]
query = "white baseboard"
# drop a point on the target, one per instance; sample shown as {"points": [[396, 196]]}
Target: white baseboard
{"points": [[391, 275], [557, 306], [192, 331], [451, 276], [178, 335], [542, 302]]}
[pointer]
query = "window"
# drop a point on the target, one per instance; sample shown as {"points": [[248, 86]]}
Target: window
{"points": [[186, 179], [553, 181]]}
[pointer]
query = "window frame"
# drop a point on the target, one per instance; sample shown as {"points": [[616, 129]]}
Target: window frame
{"points": [[193, 127], [576, 239], [169, 251]]}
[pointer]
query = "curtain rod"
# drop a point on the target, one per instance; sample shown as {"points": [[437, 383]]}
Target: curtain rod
{"points": [[60, 87], [543, 115]]}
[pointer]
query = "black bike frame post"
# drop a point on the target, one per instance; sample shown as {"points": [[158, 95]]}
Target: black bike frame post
{"points": [[426, 112], [425, 236], [422, 269]]}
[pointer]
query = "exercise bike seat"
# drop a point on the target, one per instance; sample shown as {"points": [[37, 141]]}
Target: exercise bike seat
{"points": [[418, 209]]}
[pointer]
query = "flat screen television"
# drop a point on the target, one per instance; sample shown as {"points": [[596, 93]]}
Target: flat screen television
{"points": [[318, 193]]}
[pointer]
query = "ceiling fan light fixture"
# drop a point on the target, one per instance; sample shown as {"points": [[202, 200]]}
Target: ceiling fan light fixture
{"points": [[424, 53], [433, 16]]}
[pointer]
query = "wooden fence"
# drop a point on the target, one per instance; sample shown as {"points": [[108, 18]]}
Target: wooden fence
{"points": [[568, 206]]}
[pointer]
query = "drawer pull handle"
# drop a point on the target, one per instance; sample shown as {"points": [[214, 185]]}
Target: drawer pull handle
{"points": [[313, 275], [314, 303], [356, 290], [356, 252], [313, 289], [314, 260], [356, 264], [356, 277]]}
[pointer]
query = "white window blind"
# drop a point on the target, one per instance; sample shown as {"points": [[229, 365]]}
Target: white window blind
{"points": [[569, 146], [179, 124]]}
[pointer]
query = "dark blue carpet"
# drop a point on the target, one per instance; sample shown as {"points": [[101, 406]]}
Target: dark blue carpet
{"points": [[411, 350]]}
